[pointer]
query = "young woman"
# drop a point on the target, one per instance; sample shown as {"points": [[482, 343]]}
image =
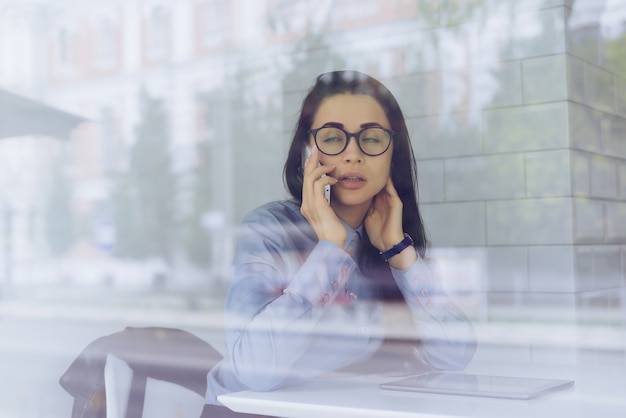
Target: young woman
{"points": [[310, 276]]}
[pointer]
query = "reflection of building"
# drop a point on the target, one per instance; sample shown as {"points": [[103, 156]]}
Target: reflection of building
{"points": [[202, 58], [517, 111]]}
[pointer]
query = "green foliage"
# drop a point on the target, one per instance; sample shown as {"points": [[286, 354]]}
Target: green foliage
{"points": [[144, 200], [457, 12], [195, 238], [616, 54], [129, 228], [59, 223]]}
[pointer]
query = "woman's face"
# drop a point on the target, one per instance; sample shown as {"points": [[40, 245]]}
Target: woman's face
{"points": [[360, 176]]}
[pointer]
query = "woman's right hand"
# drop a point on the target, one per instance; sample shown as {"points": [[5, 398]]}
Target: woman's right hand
{"points": [[315, 208]]}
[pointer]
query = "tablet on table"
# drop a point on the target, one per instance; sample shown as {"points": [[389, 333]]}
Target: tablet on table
{"points": [[453, 383]]}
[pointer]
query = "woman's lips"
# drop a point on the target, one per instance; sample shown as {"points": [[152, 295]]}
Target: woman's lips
{"points": [[352, 181]]}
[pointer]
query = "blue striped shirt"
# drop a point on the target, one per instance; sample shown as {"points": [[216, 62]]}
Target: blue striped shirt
{"points": [[298, 307]]}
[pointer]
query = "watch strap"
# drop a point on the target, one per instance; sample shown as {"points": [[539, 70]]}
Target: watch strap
{"points": [[398, 248]]}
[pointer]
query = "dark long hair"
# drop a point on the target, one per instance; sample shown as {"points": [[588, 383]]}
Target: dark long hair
{"points": [[403, 166]]}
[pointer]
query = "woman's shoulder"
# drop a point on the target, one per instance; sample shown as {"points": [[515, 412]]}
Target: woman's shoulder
{"points": [[279, 210], [278, 219]]}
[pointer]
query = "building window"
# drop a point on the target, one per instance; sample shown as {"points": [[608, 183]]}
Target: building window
{"points": [[65, 51], [157, 32], [213, 23], [106, 41]]}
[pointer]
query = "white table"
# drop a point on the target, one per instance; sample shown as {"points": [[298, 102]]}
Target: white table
{"points": [[599, 392]]}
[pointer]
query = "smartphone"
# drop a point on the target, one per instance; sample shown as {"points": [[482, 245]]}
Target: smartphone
{"points": [[305, 156]]}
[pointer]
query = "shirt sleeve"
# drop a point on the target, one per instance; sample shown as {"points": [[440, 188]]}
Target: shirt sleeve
{"points": [[275, 300], [447, 337]]}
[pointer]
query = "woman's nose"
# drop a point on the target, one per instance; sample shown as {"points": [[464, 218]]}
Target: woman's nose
{"points": [[353, 153]]}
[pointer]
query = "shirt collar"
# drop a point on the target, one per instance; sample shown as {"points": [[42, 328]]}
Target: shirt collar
{"points": [[351, 232]]}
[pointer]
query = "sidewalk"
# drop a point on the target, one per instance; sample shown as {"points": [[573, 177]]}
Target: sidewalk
{"points": [[100, 305]]}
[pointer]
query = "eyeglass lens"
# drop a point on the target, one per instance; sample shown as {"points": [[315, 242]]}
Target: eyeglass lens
{"points": [[372, 141]]}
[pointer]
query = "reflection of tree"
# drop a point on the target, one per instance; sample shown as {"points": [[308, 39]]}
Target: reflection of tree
{"points": [[58, 211], [145, 196], [456, 12], [128, 234], [593, 115], [196, 240], [256, 142], [616, 54]]}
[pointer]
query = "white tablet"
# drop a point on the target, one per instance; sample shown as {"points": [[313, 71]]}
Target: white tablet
{"points": [[478, 385]]}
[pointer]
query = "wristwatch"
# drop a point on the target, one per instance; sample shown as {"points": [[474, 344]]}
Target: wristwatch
{"points": [[397, 249]]}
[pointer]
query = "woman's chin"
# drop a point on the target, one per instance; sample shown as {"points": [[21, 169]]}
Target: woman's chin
{"points": [[351, 201]]}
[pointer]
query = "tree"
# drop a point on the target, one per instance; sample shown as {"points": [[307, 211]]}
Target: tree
{"points": [[616, 54], [196, 240], [144, 199], [59, 224], [128, 229]]}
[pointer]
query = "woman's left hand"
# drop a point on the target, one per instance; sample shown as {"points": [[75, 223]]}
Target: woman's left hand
{"points": [[383, 224]]}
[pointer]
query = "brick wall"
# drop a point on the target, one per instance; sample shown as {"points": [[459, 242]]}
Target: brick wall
{"points": [[529, 183]]}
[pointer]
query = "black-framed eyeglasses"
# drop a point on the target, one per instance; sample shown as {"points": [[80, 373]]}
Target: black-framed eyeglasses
{"points": [[332, 140]]}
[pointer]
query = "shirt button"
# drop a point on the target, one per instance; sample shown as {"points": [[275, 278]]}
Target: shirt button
{"points": [[326, 298], [416, 279], [424, 292], [335, 285], [352, 296]]}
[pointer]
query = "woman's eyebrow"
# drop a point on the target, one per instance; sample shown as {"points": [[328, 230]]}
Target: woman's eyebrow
{"points": [[341, 125], [371, 125], [333, 125]]}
